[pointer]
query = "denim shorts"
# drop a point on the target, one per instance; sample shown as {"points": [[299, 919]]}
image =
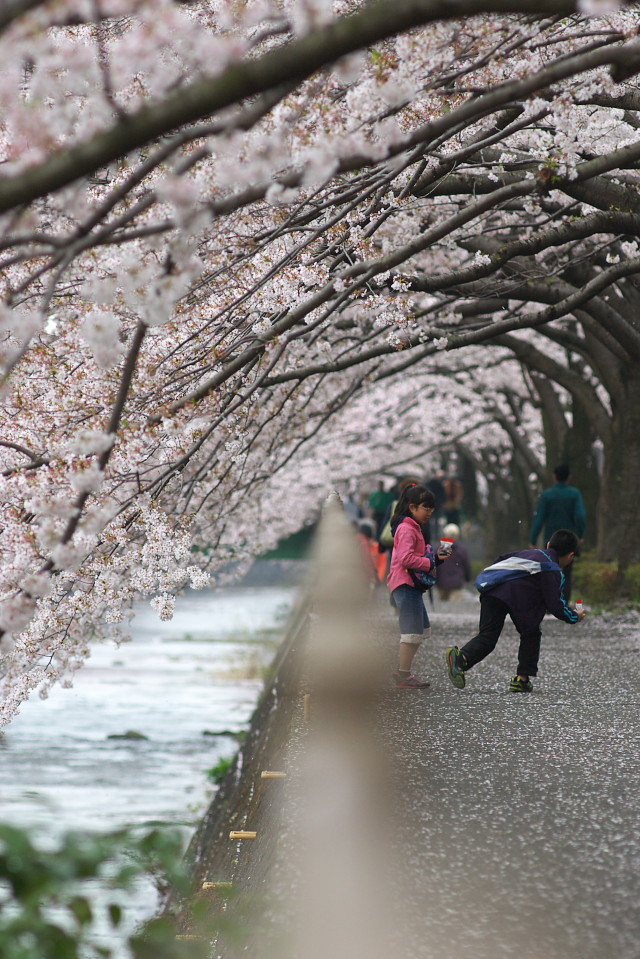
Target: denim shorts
{"points": [[413, 620]]}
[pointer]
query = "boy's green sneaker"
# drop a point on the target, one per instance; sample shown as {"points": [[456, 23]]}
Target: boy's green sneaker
{"points": [[518, 685], [454, 665]]}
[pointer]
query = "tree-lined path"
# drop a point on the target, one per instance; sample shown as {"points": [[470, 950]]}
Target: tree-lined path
{"points": [[252, 250]]}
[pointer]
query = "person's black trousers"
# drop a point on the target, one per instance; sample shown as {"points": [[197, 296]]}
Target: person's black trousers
{"points": [[493, 613]]}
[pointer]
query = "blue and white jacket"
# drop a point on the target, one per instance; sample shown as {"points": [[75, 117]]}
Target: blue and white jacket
{"points": [[530, 583]]}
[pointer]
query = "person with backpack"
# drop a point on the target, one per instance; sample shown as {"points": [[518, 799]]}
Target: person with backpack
{"points": [[412, 572], [524, 585], [385, 538]]}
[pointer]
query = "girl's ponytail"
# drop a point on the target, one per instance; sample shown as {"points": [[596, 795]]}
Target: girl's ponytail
{"points": [[413, 494]]}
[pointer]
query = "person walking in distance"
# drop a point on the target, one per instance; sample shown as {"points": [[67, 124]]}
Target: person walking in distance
{"points": [[524, 585], [378, 502], [454, 495], [560, 507], [411, 557]]}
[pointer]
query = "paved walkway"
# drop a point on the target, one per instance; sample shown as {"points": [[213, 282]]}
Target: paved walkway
{"points": [[520, 813], [515, 817]]}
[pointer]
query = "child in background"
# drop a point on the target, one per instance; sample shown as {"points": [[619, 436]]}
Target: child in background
{"points": [[457, 572], [366, 529], [364, 535], [415, 506]]}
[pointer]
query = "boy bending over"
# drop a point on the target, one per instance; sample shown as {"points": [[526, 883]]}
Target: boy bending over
{"points": [[525, 585]]}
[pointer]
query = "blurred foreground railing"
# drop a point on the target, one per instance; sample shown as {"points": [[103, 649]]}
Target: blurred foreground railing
{"points": [[293, 859], [345, 897]]}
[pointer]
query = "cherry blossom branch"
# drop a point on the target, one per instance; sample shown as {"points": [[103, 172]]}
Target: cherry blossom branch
{"points": [[295, 61], [114, 421]]}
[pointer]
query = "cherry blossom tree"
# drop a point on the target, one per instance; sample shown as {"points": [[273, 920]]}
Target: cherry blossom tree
{"points": [[231, 234]]}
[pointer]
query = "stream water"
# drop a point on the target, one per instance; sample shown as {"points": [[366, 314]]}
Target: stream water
{"points": [[131, 743]]}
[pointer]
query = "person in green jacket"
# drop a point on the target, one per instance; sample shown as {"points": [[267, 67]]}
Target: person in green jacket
{"points": [[560, 507]]}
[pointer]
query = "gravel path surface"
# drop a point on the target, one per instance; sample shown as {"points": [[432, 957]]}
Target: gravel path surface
{"points": [[519, 813], [515, 818]]}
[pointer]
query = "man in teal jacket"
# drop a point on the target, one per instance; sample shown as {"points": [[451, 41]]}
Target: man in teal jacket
{"points": [[560, 507]]}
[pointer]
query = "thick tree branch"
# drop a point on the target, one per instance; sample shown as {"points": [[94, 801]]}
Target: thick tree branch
{"points": [[535, 359], [295, 61], [539, 241]]}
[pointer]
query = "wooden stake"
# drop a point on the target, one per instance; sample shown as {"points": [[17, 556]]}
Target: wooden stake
{"points": [[307, 706], [217, 885], [270, 774], [242, 834]]}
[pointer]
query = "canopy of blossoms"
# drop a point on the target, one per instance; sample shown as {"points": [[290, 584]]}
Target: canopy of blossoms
{"points": [[250, 249]]}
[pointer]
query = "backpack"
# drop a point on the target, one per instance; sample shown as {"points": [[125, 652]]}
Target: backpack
{"points": [[513, 567], [386, 536], [421, 579]]}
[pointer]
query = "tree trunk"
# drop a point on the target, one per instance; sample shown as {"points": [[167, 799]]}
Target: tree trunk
{"points": [[509, 512], [580, 455], [496, 521], [469, 481], [554, 424], [618, 516]]}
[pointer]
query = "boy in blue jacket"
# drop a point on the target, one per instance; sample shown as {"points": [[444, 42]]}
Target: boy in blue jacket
{"points": [[524, 585]]}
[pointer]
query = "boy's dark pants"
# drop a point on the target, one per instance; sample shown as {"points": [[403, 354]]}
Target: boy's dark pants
{"points": [[493, 613]]}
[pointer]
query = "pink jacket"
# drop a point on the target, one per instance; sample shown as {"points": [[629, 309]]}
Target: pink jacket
{"points": [[408, 553]]}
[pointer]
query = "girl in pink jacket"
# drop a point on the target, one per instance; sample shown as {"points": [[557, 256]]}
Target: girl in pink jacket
{"points": [[414, 508]]}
